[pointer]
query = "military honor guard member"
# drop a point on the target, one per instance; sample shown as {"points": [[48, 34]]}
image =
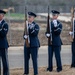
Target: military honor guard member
{"points": [[72, 33], [55, 47], [32, 50], [3, 43]]}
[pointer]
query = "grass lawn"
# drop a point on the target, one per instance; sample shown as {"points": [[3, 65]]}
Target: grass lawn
{"points": [[15, 16]]}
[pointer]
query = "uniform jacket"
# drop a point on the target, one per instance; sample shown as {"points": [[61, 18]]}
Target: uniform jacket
{"points": [[56, 31], [33, 35], [74, 32], [3, 34]]}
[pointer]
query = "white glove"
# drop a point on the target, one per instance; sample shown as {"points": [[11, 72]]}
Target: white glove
{"points": [[48, 35], [71, 33], [55, 23], [25, 36]]}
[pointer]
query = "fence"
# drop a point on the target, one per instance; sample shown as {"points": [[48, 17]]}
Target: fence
{"points": [[16, 22]]}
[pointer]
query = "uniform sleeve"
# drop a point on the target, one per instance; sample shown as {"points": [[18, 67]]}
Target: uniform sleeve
{"points": [[58, 29], [4, 30], [34, 31]]}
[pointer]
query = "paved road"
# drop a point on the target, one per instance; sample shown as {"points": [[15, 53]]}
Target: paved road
{"points": [[16, 56]]}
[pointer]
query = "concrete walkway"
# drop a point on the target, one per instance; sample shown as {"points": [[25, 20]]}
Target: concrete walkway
{"points": [[16, 56]]}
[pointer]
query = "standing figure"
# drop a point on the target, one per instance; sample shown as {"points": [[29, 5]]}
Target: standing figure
{"points": [[33, 30], [72, 37], [73, 50], [55, 46], [4, 43], [72, 34]]}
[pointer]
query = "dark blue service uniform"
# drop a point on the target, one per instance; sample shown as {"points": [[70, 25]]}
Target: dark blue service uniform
{"points": [[33, 49], [73, 49], [4, 46], [55, 47]]}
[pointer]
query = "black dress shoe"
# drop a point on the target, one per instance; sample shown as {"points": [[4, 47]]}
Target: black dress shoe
{"points": [[48, 69], [72, 66], [25, 74], [59, 70]]}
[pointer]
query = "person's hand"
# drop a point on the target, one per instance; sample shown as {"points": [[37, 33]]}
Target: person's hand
{"points": [[25, 36], [55, 23], [70, 33], [48, 35]]}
